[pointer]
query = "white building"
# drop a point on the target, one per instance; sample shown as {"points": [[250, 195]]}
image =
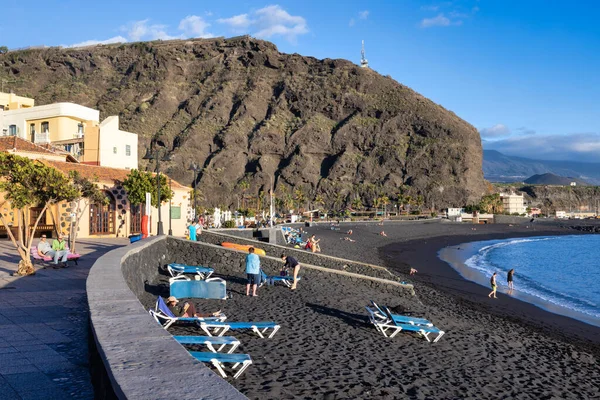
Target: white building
{"points": [[70, 127], [455, 212], [513, 203]]}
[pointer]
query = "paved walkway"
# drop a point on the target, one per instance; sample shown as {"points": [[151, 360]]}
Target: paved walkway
{"points": [[44, 327]]}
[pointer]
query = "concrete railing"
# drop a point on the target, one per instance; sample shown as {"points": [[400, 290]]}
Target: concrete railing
{"points": [[303, 256], [141, 359]]}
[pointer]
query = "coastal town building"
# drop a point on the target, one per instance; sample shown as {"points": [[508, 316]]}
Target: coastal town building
{"points": [[70, 127], [117, 218], [513, 203]]}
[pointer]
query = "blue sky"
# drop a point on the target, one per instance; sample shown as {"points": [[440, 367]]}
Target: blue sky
{"points": [[525, 73]]}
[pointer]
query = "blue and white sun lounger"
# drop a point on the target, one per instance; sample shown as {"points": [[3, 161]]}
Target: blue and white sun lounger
{"points": [[403, 319], [219, 328], [271, 280], [177, 270], [210, 288], [211, 342], [218, 359], [395, 327], [166, 318]]}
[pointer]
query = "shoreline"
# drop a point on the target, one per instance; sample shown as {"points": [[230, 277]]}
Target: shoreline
{"points": [[416, 245], [456, 257]]}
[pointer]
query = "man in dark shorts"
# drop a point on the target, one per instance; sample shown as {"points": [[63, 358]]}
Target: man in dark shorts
{"points": [[291, 262], [252, 272], [509, 280]]}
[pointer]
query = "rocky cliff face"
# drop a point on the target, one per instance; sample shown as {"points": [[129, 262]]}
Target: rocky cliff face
{"points": [[246, 113]]}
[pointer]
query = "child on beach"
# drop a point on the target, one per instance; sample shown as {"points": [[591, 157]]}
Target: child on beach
{"points": [[494, 286], [413, 271], [382, 233]]}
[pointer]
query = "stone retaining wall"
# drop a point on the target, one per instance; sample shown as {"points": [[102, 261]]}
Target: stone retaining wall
{"points": [[141, 359], [303, 256]]}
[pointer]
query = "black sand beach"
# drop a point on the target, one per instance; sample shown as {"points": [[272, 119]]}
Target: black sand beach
{"points": [[326, 349]]}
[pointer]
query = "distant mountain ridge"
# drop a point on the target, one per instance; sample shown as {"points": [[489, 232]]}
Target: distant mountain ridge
{"points": [[498, 167], [552, 179]]}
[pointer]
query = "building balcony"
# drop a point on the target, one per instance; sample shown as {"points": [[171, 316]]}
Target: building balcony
{"points": [[41, 138]]}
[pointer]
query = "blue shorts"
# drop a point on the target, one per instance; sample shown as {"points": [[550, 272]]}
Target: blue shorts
{"points": [[253, 279]]}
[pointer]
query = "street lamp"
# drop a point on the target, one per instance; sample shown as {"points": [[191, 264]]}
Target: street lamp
{"points": [[195, 168], [156, 155], [170, 204]]}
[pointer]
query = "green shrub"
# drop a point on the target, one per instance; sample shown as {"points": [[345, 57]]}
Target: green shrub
{"points": [[229, 224]]}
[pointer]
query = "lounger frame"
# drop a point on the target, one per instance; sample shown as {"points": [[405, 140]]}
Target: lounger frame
{"points": [[218, 359], [215, 328], [211, 341]]}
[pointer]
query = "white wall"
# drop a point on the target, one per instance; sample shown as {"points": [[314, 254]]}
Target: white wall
{"points": [[113, 145]]}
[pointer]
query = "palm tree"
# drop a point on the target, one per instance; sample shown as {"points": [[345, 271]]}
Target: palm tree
{"points": [[357, 203], [384, 200]]}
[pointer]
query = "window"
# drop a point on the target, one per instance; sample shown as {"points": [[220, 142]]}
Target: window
{"points": [[80, 128], [127, 150], [114, 150], [136, 219], [176, 212], [12, 130], [32, 129], [102, 217], [45, 127]]}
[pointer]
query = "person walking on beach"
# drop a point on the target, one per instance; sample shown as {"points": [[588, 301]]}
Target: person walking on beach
{"points": [[291, 262], [252, 271], [494, 286], [509, 280]]}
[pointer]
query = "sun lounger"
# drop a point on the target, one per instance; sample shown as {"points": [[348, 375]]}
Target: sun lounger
{"points": [[46, 259], [425, 331], [166, 318], [211, 342], [386, 327], [210, 288], [181, 269], [271, 280], [218, 359], [219, 328], [403, 319]]}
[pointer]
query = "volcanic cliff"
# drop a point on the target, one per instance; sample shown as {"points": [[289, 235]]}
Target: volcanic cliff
{"points": [[244, 112]]}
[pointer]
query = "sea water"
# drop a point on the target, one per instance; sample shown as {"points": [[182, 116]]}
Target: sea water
{"points": [[558, 273]]}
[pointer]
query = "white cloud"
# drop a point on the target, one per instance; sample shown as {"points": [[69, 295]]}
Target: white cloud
{"points": [[352, 22], [194, 26], [363, 14], [268, 22], [498, 130], [116, 39], [439, 20], [142, 30], [583, 147]]}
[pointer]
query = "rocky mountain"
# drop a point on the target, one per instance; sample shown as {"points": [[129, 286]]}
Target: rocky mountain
{"points": [[552, 179], [246, 114], [498, 167]]}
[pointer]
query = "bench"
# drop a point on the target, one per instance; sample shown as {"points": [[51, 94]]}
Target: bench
{"points": [[48, 259]]}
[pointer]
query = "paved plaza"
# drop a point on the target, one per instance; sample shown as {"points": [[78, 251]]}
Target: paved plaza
{"points": [[44, 326]]}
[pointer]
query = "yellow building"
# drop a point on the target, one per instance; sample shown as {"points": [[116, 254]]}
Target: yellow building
{"points": [[10, 101], [117, 218]]}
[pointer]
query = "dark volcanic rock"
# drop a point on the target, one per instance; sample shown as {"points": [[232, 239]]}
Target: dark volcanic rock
{"points": [[245, 112]]}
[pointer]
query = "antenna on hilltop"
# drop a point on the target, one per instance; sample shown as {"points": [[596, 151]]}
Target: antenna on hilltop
{"points": [[363, 61]]}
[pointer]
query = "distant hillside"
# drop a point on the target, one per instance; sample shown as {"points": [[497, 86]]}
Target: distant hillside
{"points": [[323, 131], [552, 179], [498, 167]]}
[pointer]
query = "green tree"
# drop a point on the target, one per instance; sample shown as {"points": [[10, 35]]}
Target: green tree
{"points": [[357, 203], [26, 183], [3, 49], [89, 193], [384, 201], [138, 183], [491, 204], [243, 185]]}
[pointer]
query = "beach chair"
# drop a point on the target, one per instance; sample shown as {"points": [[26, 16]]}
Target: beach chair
{"points": [[403, 319], [211, 342], [212, 328], [218, 359], [271, 280], [177, 270], [386, 327], [46, 259], [210, 288], [166, 318], [425, 331]]}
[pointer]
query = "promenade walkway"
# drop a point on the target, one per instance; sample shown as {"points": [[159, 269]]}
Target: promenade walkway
{"points": [[44, 327]]}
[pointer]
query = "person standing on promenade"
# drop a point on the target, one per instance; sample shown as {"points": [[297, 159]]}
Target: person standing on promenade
{"points": [[494, 285], [192, 231], [509, 280], [291, 262], [252, 271]]}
